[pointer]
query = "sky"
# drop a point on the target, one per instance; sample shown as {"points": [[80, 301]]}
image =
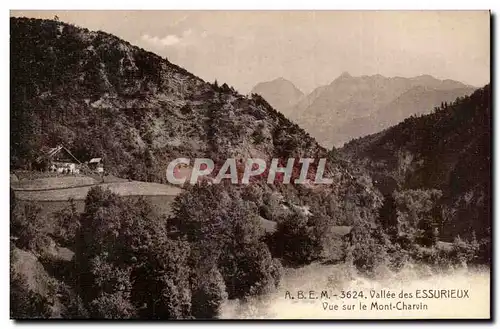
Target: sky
{"points": [[309, 48]]}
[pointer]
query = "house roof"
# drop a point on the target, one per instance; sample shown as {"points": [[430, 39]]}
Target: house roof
{"points": [[95, 160], [55, 150]]}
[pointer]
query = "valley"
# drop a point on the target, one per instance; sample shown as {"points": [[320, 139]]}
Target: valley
{"points": [[407, 204]]}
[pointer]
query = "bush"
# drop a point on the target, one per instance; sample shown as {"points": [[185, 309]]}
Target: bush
{"points": [[111, 306], [67, 223], [209, 292], [249, 270], [466, 251]]}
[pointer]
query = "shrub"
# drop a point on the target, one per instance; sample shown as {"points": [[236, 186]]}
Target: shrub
{"points": [[67, 223], [209, 292], [418, 217], [111, 306], [466, 251]]}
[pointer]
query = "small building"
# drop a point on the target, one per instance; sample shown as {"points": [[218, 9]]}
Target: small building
{"points": [[97, 165], [61, 160]]}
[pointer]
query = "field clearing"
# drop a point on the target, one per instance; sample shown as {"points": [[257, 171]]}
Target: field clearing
{"points": [[53, 182], [133, 188], [51, 199]]}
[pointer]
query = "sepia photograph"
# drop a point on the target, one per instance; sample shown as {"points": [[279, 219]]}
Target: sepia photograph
{"points": [[241, 165]]}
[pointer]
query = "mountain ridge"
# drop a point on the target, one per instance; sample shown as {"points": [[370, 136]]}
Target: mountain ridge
{"points": [[330, 110], [105, 84]]}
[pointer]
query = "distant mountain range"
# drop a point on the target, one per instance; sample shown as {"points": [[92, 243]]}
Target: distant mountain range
{"points": [[351, 107]]}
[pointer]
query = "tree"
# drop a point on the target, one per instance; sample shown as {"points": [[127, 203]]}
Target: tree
{"points": [[126, 259], [209, 292], [67, 224], [418, 216], [30, 227], [295, 241], [367, 246], [200, 212], [387, 216], [224, 232]]}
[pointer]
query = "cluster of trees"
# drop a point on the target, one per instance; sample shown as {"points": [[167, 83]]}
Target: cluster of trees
{"points": [[131, 262], [410, 225], [449, 150]]}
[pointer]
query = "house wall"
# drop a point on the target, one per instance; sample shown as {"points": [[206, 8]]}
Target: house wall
{"points": [[60, 167]]}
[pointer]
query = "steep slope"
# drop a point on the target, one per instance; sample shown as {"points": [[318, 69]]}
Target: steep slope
{"points": [[340, 106], [279, 93], [102, 97], [449, 150]]}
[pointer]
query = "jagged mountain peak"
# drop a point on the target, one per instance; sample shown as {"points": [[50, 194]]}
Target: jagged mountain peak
{"points": [[280, 93]]}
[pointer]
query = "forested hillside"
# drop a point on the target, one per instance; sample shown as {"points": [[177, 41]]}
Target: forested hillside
{"points": [[102, 97], [448, 150]]}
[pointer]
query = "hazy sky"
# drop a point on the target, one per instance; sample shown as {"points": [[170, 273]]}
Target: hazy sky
{"points": [[309, 48]]}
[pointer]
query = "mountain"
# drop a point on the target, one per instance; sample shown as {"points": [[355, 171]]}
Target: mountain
{"points": [[120, 258], [280, 93], [303, 103], [102, 97], [418, 100], [351, 107], [449, 150]]}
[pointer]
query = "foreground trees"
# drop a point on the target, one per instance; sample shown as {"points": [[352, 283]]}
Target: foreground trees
{"points": [[123, 253], [225, 233], [130, 262], [136, 268]]}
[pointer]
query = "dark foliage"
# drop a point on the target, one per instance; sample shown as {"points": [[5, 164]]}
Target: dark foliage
{"points": [[449, 150]]}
